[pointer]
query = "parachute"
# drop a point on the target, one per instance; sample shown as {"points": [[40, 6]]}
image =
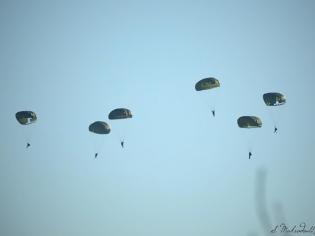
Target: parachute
{"points": [[120, 113], [99, 127], [26, 117], [207, 83], [249, 122], [274, 99]]}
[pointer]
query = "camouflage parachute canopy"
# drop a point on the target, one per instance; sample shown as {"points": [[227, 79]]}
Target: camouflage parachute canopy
{"points": [[26, 117], [120, 113], [249, 122], [207, 83], [99, 127], [274, 99]]}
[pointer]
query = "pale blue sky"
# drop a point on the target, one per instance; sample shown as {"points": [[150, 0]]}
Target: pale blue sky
{"points": [[182, 171]]}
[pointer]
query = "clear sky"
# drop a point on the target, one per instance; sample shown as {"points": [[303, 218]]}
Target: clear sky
{"points": [[182, 172]]}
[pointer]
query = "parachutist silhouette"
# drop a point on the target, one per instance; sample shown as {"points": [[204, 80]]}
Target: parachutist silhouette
{"points": [[122, 144], [275, 131], [213, 113], [28, 145], [249, 155], [95, 156]]}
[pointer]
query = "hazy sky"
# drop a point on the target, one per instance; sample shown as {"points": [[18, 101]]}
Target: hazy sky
{"points": [[182, 172]]}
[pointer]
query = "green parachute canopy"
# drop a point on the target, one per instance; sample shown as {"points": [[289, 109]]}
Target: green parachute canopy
{"points": [[26, 117], [249, 122], [99, 127], [207, 83], [120, 113], [274, 99]]}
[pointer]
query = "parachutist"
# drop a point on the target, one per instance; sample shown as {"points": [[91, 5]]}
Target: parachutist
{"points": [[208, 84], [275, 131], [26, 118], [99, 127], [120, 113], [249, 155]]}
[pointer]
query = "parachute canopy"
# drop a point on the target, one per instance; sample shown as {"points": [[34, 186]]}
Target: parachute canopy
{"points": [[274, 99], [249, 122], [26, 117], [207, 83], [99, 127], [120, 113]]}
